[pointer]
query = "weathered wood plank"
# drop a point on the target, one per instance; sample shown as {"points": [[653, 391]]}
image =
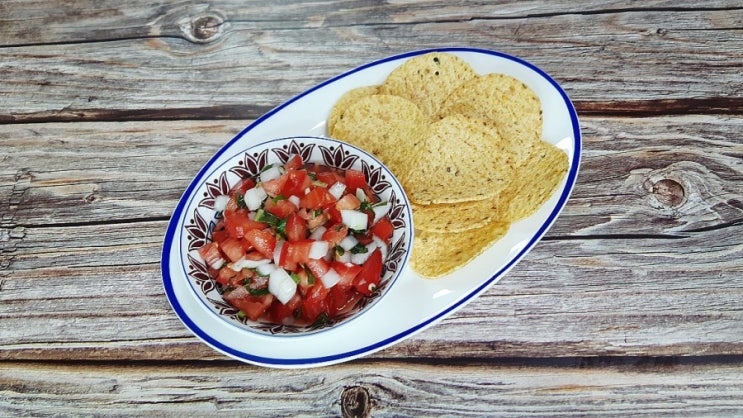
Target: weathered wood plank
{"points": [[253, 64], [116, 172], [379, 388], [24, 19]]}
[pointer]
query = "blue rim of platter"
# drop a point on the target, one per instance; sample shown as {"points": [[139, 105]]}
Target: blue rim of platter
{"points": [[348, 355]]}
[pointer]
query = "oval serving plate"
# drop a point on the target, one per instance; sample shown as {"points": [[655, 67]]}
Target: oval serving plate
{"points": [[414, 303]]}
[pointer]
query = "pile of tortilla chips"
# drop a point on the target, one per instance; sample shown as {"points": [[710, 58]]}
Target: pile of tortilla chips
{"points": [[466, 147]]}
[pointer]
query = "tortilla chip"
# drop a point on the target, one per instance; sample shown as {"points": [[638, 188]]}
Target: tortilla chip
{"points": [[346, 101], [535, 182], [513, 108], [428, 79], [437, 254], [457, 162], [389, 127], [459, 217]]}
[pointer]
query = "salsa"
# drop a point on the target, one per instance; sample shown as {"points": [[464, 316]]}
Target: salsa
{"points": [[300, 243]]}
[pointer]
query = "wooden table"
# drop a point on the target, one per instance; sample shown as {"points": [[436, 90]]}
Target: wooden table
{"points": [[631, 305]]}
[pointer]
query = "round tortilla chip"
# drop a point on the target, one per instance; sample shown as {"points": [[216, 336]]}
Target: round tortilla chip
{"points": [[458, 161], [459, 217], [535, 181], [428, 79], [350, 97], [389, 127], [436, 254], [513, 108]]}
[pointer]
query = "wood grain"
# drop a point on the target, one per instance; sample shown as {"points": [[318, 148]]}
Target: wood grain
{"points": [[145, 66], [392, 388]]}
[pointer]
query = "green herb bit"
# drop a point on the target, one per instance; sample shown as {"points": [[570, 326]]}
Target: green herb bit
{"points": [[295, 277], [281, 227], [279, 197], [262, 291], [241, 315], [359, 249], [365, 205], [266, 217], [339, 250], [266, 167], [321, 320], [240, 200], [310, 276]]}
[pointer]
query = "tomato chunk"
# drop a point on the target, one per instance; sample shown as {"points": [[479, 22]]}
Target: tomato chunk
{"points": [[383, 229], [296, 228], [368, 278], [263, 241], [211, 255], [252, 306], [317, 198]]}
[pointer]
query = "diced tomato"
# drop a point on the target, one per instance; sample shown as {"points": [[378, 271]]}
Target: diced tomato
{"points": [[253, 306], [243, 186], [263, 241], [238, 223], [297, 181], [232, 248], [279, 312], [212, 255], [315, 302], [355, 179], [294, 162], [318, 267], [368, 278], [255, 256], [229, 277], [348, 201], [329, 177], [342, 299], [220, 233], [297, 252], [383, 229], [281, 208], [335, 234], [347, 271], [296, 228], [284, 261], [317, 198], [334, 215], [273, 187]]}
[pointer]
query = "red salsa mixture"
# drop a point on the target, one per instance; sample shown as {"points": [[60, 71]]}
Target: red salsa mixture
{"points": [[299, 243]]}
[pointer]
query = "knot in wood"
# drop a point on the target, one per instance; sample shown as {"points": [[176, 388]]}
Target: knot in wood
{"points": [[355, 402], [669, 192], [204, 29]]}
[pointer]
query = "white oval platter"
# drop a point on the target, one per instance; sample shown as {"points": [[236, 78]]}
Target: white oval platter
{"points": [[413, 303]]}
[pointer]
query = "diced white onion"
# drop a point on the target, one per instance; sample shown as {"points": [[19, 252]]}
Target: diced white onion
{"points": [[318, 233], [361, 195], [254, 197], [277, 251], [330, 278], [361, 258], [271, 173], [220, 202], [380, 211], [294, 199], [344, 258], [337, 190], [354, 219], [348, 242], [281, 285], [319, 249], [244, 263], [266, 269]]}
